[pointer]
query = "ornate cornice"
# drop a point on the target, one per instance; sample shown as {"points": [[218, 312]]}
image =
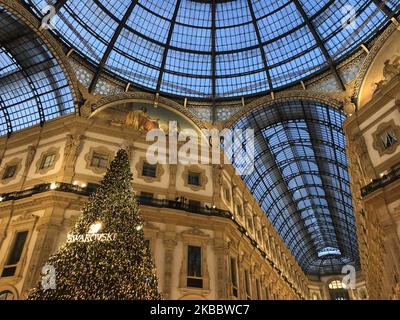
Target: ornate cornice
{"points": [[18, 10]]}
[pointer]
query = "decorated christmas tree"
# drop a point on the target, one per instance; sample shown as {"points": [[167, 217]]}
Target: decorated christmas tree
{"points": [[106, 255]]}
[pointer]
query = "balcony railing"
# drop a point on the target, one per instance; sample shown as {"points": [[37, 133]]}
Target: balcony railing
{"points": [[185, 206], [90, 188], [59, 186], [147, 201], [381, 182]]}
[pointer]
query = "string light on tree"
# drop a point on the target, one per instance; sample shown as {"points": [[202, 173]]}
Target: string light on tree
{"points": [[95, 227], [105, 256], [53, 186]]}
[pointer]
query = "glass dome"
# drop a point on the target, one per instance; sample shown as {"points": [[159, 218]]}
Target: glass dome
{"points": [[301, 181], [33, 86], [216, 49]]}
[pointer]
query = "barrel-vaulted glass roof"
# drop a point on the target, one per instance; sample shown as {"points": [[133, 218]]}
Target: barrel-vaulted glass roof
{"points": [[33, 87], [217, 49], [301, 181]]}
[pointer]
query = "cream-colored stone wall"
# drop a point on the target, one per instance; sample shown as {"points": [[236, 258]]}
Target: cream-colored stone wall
{"points": [[376, 190], [52, 213]]}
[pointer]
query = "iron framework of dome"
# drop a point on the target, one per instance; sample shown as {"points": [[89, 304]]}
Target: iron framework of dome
{"points": [[216, 49], [301, 181], [33, 87]]}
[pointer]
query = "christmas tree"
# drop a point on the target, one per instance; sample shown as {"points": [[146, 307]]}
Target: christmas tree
{"points": [[106, 255]]}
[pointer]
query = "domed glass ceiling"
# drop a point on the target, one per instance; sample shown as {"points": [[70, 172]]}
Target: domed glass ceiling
{"points": [[216, 49], [301, 181], [33, 87]]}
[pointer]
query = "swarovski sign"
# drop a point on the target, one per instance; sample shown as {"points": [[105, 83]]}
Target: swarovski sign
{"points": [[90, 237]]}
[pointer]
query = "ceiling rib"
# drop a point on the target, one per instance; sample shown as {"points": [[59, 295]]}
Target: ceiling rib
{"points": [[110, 46], [261, 47], [167, 46], [22, 68], [312, 134], [384, 8], [332, 224], [59, 4], [321, 45], [213, 60], [281, 179], [3, 108], [338, 172]]}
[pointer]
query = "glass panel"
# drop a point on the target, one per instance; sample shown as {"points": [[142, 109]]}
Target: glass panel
{"points": [[99, 160], [194, 178], [48, 161], [194, 261], [15, 254], [279, 32], [194, 272], [33, 86], [301, 182]]}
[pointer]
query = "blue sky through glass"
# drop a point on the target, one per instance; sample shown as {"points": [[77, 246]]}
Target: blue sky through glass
{"points": [[33, 87], [286, 50], [301, 182]]}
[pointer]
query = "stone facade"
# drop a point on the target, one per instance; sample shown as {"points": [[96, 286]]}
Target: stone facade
{"points": [[374, 159], [48, 214]]}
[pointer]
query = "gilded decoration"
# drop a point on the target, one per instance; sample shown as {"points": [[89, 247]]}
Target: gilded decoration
{"points": [[289, 95], [144, 98], [391, 69], [374, 50]]}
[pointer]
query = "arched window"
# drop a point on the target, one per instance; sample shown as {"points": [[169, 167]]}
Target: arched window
{"points": [[337, 290], [6, 295]]}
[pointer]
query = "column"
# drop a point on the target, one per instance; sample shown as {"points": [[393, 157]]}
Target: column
{"points": [[169, 247]]}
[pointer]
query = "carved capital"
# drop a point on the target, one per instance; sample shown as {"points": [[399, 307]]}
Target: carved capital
{"points": [[170, 244]]}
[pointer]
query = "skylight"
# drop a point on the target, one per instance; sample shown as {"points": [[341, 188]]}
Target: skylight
{"points": [[215, 49], [329, 251]]}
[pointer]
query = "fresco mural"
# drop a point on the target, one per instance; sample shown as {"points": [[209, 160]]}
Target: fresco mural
{"points": [[144, 117]]}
